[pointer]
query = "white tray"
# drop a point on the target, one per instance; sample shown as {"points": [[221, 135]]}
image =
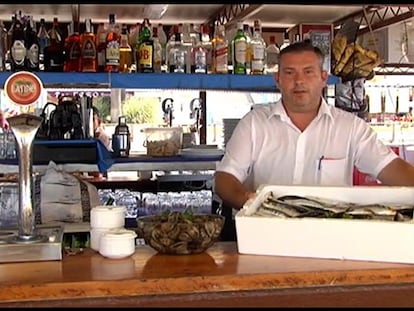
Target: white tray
{"points": [[355, 239]]}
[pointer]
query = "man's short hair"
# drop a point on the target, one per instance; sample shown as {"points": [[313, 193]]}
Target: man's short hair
{"points": [[302, 46]]}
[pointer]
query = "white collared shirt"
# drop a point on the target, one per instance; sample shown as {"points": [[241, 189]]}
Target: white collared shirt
{"points": [[267, 148]]}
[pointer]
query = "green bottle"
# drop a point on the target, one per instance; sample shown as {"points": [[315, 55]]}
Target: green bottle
{"points": [[239, 51]]}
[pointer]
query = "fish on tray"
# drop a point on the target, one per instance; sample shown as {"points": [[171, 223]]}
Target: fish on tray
{"points": [[295, 206]]}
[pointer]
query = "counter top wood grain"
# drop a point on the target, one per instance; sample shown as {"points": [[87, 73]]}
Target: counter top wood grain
{"points": [[219, 277]]}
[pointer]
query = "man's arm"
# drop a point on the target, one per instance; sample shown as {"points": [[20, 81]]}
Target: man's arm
{"points": [[231, 190], [397, 173]]}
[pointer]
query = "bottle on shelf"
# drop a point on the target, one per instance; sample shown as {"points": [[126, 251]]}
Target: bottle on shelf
{"points": [[258, 50], [177, 55], [198, 57], [187, 41], [247, 33], [32, 45], [272, 56], [286, 41], [72, 49], [88, 49], [54, 53], [169, 45], [101, 46], [125, 51], [112, 46], [158, 50], [43, 38], [206, 42], [219, 51], [239, 45], [145, 49], [3, 46], [18, 47], [162, 37]]}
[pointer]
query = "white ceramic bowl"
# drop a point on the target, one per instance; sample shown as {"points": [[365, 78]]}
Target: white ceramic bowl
{"points": [[95, 237], [117, 243], [108, 217]]}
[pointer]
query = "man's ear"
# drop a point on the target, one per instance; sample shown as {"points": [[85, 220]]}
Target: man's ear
{"points": [[276, 77], [325, 76]]}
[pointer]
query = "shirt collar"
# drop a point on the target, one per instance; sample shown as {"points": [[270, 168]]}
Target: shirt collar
{"points": [[279, 110]]}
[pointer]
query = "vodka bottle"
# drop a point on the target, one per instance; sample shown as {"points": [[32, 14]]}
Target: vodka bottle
{"points": [[198, 57], [162, 38], [207, 44], [272, 56], [177, 56], [286, 41], [158, 50]]}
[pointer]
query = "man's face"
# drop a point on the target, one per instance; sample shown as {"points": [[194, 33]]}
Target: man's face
{"points": [[301, 81]]}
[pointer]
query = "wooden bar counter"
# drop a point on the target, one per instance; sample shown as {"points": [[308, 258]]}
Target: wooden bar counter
{"points": [[219, 277]]}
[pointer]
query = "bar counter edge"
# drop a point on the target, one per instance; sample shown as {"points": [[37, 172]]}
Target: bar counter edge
{"points": [[218, 277]]}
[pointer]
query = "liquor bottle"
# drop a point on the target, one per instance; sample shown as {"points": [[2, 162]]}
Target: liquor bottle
{"points": [[177, 55], [158, 50], [54, 53], [101, 46], [169, 45], [145, 45], [18, 48], [239, 51], [188, 43], [125, 51], [162, 37], [247, 33], [43, 38], [3, 46], [32, 45], [112, 46], [88, 49], [272, 56], [219, 51], [72, 49], [206, 42], [286, 41], [198, 57], [258, 50]]}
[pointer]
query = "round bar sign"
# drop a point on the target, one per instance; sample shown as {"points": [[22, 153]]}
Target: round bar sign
{"points": [[23, 88]]}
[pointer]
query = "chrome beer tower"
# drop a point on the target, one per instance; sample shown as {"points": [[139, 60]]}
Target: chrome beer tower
{"points": [[28, 243]]}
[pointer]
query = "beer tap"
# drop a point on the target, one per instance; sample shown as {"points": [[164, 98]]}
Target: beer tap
{"points": [[167, 108]]}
